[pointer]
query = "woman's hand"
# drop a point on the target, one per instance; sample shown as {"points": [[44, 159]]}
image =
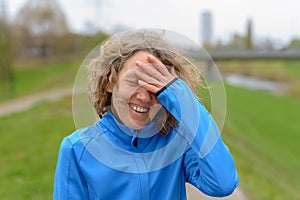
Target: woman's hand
{"points": [[153, 76]]}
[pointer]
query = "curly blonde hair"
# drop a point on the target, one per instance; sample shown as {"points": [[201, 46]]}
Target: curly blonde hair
{"points": [[103, 70]]}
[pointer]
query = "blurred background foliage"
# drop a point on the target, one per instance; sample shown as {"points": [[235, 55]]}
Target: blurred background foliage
{"points": [[39, 33]]}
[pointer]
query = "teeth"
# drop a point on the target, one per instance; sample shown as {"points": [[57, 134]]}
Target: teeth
{"points": [[139, 109]]}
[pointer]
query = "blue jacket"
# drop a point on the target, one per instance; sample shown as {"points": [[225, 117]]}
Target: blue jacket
{"points": [[106, 161]]}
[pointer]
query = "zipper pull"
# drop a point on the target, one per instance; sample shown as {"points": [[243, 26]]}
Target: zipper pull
{"points": [[135, 140]]}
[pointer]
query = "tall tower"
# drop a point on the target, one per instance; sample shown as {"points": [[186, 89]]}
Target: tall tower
{"points": [[249, 34], [206, 28]]}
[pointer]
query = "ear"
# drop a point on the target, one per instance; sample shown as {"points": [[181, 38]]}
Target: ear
{"points": [[109, 88]]}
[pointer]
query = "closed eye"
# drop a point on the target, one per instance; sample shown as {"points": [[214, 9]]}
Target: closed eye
{"points": [[131, 83]]}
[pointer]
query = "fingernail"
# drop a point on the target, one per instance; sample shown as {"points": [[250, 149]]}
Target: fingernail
{"points": [[150, 56], [141, 83]]}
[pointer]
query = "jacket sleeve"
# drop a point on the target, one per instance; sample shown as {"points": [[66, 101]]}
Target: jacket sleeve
{"points": [[69, 183], [208, 163]]}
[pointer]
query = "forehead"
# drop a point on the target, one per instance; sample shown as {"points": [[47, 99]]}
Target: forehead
{"points": [[130, 63]]}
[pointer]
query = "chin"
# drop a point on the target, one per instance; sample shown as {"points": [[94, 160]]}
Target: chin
{"points": [[140, 123]]}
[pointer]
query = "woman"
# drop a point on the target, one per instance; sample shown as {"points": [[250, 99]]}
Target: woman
{"points": [[154, 134]]}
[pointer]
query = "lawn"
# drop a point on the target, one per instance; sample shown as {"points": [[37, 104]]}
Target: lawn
{"points": [[33, 77], [29, 144], [263, 133]]}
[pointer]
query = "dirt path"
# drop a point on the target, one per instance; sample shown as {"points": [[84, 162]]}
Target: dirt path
{"points": [[194, 194], [25, 103]]}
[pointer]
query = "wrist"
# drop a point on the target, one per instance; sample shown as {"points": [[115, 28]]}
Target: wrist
{"points": [[166, 86]]}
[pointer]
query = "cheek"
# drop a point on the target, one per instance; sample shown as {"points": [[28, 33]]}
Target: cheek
{"points": [[124, 92], [155, 100]]}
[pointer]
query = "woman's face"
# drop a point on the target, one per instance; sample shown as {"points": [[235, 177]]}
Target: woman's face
{"points": [[132, 103]]}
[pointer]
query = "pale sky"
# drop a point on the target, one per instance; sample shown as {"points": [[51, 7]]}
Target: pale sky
{"points": [[278, 20]]}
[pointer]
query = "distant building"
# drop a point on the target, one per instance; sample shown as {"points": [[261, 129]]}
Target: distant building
{"points": [[206, 28]]}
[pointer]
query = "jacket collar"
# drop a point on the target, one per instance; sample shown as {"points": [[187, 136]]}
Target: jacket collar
{"points": [[124, 137], [149, 130]]}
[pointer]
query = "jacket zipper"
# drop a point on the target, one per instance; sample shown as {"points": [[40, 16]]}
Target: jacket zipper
{"points": [[135, 141]]}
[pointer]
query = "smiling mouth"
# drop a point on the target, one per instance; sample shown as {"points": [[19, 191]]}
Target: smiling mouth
{"points": [[139, 109]]}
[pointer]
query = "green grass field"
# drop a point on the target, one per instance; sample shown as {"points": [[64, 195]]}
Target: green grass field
{"points": [[261, 129], [30, 78], [263, 133], [29, 144]]}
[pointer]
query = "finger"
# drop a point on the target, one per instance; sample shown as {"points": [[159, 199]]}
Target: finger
{"points": [[149, 87], [173, 72], [149, 79], [150, 70], [158, 65]]}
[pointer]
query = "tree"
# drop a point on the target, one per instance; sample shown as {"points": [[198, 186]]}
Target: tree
{"points": [[41, 22], [294, 44], [6, 73], [237, 42]]}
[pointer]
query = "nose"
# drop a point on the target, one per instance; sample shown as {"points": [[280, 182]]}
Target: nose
{"points": [[144, 95]]}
